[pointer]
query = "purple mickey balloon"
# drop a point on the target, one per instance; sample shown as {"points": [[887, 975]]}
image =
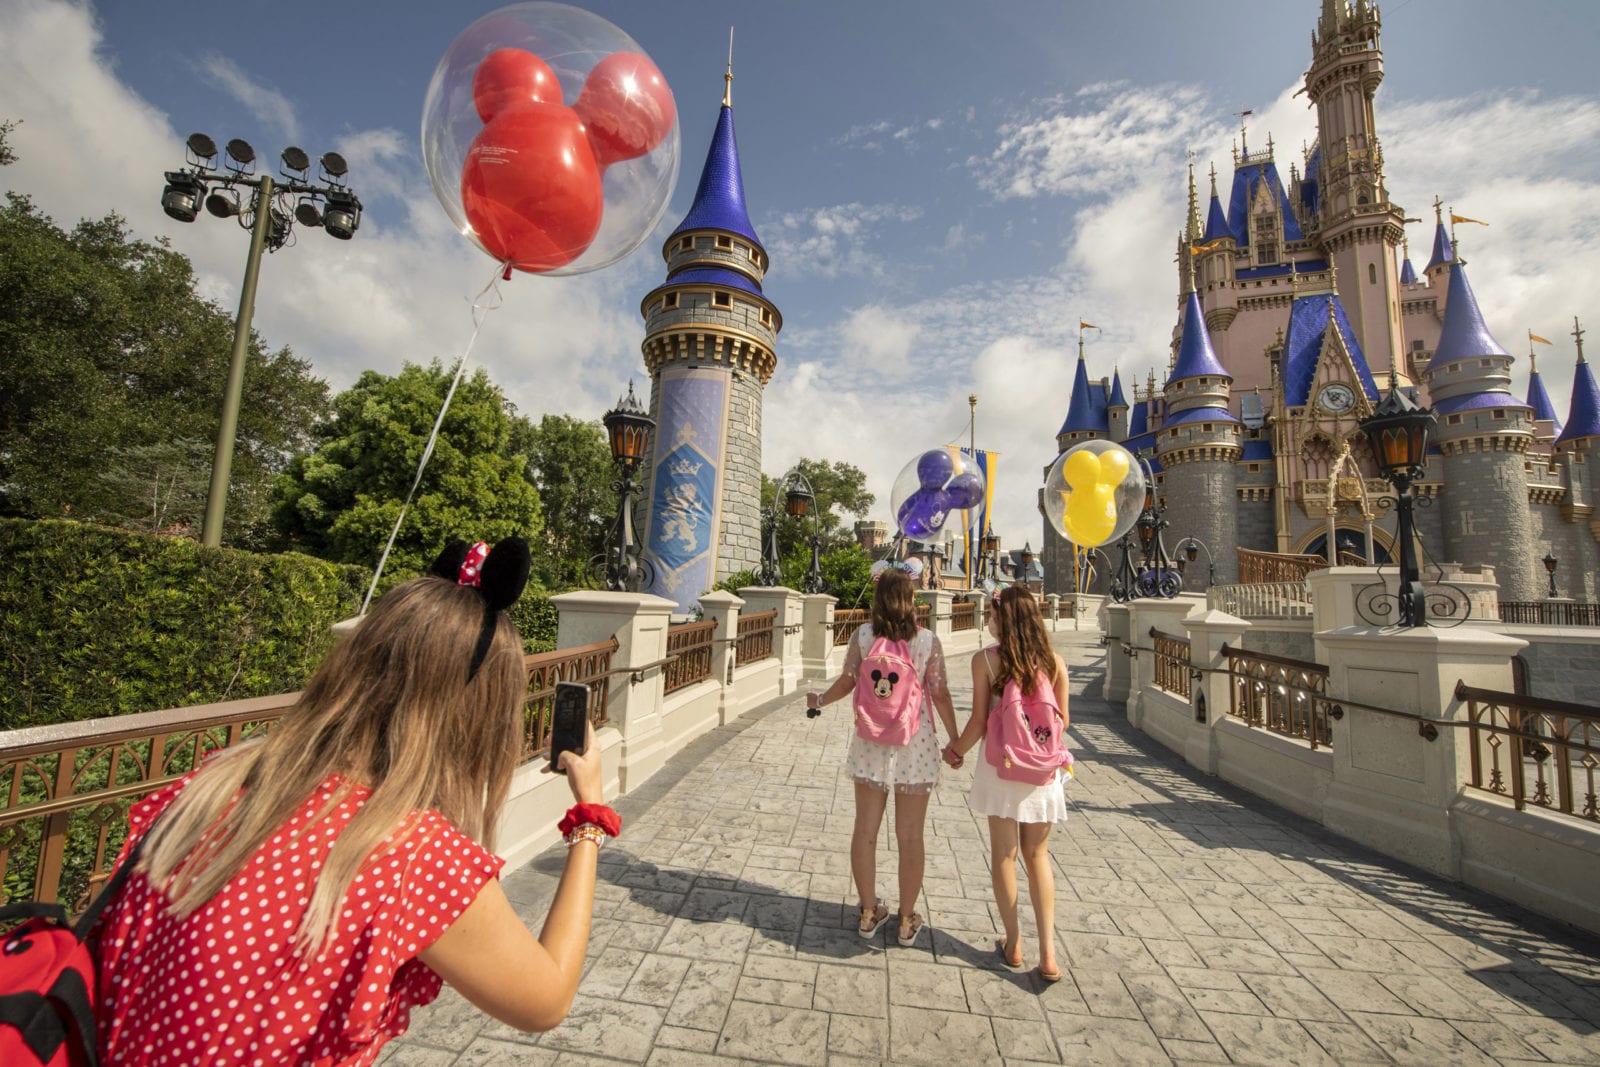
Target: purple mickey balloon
{"points": [[965, 491], [934, 468], [923, 514]]}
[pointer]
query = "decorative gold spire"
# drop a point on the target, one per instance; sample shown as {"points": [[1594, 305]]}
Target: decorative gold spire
{"points": [[1577, 335], [727, 79]]}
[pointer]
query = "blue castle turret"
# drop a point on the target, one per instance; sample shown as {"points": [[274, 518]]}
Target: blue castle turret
{"points": [[710, 340]]}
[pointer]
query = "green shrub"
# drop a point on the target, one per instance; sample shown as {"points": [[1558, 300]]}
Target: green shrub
{"points": [[97, 622]]}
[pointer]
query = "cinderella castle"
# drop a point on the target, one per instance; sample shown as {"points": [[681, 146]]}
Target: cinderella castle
{"points": [[1297, 306]]}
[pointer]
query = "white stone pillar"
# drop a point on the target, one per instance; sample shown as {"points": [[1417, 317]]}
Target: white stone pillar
{"points": [[1166, 616], [1052, 610], [1393, 786], [1119, 667], [723, 606], [1333, 599], [639, 622], [1208, 633], [816, 637], [785, 631], [939, 602]]}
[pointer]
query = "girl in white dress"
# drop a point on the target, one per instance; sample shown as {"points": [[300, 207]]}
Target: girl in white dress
{"points": [[910, 770], [1016, 810]]}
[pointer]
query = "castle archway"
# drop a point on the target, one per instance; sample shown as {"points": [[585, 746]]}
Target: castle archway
{"points": [[1346, 539]]}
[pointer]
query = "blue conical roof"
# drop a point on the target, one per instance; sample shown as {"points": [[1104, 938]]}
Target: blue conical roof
{"points": [[1408, 273], [1583, 418], [1087, 410], [1139, 421], [1246, 180], [1442, 252], [1539, 401], [1302, 347], [1464, 334], [719, 201], [1216, 221], [1196, 357], [1117, 400]]}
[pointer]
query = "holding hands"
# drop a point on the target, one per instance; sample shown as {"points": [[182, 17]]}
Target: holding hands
{"points": [[953, 757]]}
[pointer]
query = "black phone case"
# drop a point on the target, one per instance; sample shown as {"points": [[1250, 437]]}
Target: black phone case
{"points": [[568, 718]]}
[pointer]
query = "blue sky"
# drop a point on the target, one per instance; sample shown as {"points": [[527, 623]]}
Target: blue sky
{"points": [[944, 191]]}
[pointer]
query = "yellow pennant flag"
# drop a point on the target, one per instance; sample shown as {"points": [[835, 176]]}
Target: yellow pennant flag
{"points": [[1454, 218], [1195, 250], [1535, 337], [1086, 325]]}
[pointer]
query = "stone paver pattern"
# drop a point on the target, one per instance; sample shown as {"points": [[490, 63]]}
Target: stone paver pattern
{"points": [[1196, 924]]}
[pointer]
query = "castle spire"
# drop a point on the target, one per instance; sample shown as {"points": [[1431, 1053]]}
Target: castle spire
{"points": [[1196, 357], [727, 79], [719, 200], [1583, 418], [1194, 204], [1538, 397], [1464, 334], [1442, 252], [1408, 273]]}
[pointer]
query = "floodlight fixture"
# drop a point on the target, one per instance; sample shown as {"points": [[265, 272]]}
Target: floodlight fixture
{"points": [[201, 147], [295, 159], [240, 152], [182, 196], [224, 203], [307, 213], [343, 214], [334, 164]]}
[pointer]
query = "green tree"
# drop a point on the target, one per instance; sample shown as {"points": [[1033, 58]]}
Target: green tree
{"points": [[7, 156], [105, 347], [340, 501], [569, 461], [839, 491]]}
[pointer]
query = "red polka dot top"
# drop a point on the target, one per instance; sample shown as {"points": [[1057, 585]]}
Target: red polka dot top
{"points": [[225, 986]]}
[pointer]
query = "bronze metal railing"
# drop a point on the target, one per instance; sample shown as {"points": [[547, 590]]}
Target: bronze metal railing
{"points": [[963, 616], [847, 622], [1540, 752], [689, 647], [1549, 613], [1171, 662], [590, 664], [67, 788], [755, 637], [1286, 696], [1256, 567]]}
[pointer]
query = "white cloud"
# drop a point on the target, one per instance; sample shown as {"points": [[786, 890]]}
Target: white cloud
{"points": [[268, 105], [834, 240]]}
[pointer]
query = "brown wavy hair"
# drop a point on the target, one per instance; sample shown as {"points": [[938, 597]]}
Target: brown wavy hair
{"points": [[1023, 644], [894, 606], [391, 707]]}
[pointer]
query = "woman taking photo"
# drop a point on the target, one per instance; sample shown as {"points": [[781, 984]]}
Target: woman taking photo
{"points": [[294, 898], [1020, 671], [909, 769]]}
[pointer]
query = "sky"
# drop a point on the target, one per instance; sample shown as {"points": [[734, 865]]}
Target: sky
{"points": [[945, 189]]}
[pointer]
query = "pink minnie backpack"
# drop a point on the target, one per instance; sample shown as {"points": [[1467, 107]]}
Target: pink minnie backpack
{"points": [[1025, 740], [888, 697]]}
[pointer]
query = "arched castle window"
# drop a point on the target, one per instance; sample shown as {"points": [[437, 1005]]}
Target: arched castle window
{"points": [[1266, 239], [1372, 274], [1316, 457]]}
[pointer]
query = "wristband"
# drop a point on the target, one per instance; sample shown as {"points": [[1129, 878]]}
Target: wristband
{"points": [[585, 832], [597, 815]]}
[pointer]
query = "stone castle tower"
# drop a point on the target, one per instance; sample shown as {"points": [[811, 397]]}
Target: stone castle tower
{"points": [[1296, 300], [710, 339]]}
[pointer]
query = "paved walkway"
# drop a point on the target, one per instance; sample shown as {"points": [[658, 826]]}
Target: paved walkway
{"points": [[1197, 925]]}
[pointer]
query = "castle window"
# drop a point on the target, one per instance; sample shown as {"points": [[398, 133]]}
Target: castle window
{"points": [[1485, 362], [1205, 427], [1416, 346], [1372, 274], [724, 242], [1453, 420], [669, 301], [686, 244], [1253, 468], [766, 317], [722, 300], [1498, 413]]}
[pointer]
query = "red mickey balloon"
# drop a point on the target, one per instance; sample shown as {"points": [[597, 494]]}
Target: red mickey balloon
{"points": [[531, 187], [626, 107], [510, 77]]}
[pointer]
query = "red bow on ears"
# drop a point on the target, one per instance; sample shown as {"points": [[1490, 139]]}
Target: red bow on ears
{"points": [[471, 570], [498, 574]]}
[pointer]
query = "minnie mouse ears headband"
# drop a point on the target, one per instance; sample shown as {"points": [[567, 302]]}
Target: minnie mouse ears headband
{"points": [[912, 567], [498, 574]]}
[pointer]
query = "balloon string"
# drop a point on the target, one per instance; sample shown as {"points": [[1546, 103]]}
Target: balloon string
{"points": [[480, 310]]}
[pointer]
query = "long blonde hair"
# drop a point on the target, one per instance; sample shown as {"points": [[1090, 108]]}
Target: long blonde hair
{"points": [[391, 707], [1024, 645]]}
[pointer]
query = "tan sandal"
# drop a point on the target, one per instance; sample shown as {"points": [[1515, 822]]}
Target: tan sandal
{"points": [[914, 921], [872, 918]]}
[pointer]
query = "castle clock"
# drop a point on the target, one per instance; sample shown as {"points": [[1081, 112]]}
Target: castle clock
{"points": [[1336, 399]]}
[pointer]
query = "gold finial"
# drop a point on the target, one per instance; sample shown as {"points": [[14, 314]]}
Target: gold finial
{"points": [[727, 79], [1577, 335]]}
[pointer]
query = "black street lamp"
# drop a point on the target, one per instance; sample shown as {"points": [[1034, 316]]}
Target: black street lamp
{"points": [[1398, 431], [1550, 562], [272, 209], [935, 564], [1191, 547], [628, 428], [990, 556], [798, 502]]}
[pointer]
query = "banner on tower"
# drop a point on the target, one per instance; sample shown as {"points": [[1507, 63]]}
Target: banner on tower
{"points": [[976, 520], [685, 503]]}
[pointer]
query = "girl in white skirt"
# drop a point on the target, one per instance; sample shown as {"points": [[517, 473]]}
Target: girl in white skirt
{"points": [[1016, 810], [910, 771]]}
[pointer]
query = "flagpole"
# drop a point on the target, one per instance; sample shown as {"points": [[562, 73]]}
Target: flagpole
{"points": [[972, 446]]}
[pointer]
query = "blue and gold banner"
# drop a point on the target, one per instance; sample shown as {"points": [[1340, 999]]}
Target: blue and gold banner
{"points": [[977, 519], [685, 505]]}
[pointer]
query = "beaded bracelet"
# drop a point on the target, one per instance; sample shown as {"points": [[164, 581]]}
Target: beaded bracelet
{"points": [[601, 816], [586, 832]]}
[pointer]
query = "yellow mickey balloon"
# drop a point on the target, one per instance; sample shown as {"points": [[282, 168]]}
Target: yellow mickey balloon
{"points": [[1113, 467], [1091, 515], [1082, 470]]}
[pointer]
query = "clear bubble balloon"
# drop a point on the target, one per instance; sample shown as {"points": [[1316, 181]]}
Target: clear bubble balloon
{"points": [[930, 487], [550, 138], [1094, 493]]}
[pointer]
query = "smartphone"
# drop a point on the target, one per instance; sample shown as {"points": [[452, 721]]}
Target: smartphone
{"points": [[569, 721]]}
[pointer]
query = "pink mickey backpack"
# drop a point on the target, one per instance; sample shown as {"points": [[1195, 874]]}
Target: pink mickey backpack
{"points": [[1025, 740], [888, 697]]}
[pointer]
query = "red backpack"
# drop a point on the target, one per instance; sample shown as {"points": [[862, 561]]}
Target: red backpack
{"points": [[1025, 740], [48, 980], [888, 698]]}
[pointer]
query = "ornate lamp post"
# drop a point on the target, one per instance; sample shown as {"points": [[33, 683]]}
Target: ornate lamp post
{"points": [[935, 564], [629, 429], [269, 213], [1550, 562], [799, 502], [1155, 577], [1191, 547], [991, 556], [1398, 431]]}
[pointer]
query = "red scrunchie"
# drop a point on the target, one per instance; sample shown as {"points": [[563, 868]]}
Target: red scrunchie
{"points": [[595, 815]]}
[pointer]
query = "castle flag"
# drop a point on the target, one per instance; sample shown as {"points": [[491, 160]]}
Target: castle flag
{"points": [[1535, 337], [977, 519], [1454, 218]]}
